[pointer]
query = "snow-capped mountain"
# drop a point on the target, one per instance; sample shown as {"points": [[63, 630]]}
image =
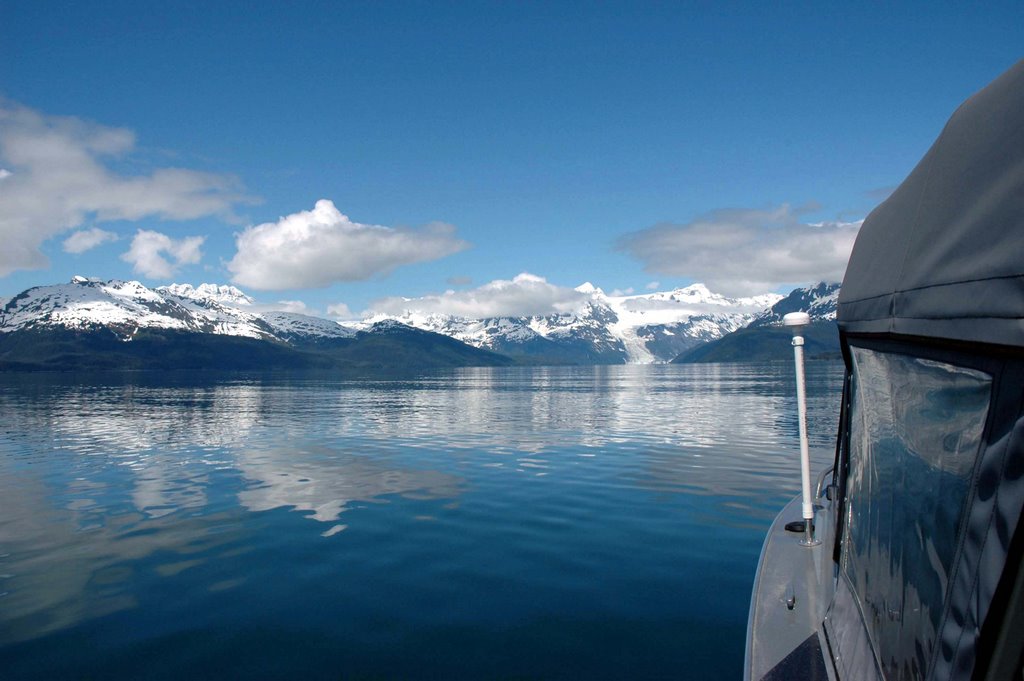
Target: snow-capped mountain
{"points": [[225, 295], [652, 327], [602, 329], [764, 338], [291, 326], [124, 307], [819, 301]]}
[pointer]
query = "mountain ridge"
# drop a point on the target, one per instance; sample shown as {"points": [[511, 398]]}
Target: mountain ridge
{"points": [[92, 324], [604, 329], [765, 339], [600, 328]]}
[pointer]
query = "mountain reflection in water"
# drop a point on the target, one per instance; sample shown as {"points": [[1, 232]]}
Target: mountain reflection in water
{"points": [[541, 522]]}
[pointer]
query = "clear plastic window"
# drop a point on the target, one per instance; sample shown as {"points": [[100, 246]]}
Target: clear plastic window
{"points": [[915, 432]]}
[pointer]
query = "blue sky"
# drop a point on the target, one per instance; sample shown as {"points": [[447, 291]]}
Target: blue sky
{"points": [[626, 144]]}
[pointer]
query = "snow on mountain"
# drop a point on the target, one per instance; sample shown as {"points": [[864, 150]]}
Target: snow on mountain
{"points": [[127, 306], [226, 295], [819, 301], [652, 327], [123, 306], [668, 307], [290, 326], [603, 329], [763, 340], [214, 309], [658, 326]]}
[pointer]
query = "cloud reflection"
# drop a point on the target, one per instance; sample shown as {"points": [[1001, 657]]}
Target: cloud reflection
{"points": [[63, 565], [109, 489], [325, 482]]}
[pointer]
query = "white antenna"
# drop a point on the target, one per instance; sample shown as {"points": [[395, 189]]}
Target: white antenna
{"points": [[797, 321]]}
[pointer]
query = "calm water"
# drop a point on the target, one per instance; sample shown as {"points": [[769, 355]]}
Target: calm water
{"points": [[484, 523]]}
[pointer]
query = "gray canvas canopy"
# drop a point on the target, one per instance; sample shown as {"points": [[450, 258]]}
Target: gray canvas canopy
{"points": [[930, 463], [943, 257]]}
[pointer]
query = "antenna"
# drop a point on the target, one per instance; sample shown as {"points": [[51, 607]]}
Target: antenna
{"points": [[796, 321]]}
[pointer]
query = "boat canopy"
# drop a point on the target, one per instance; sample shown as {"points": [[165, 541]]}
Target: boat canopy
{"points": [[930, 459], [943, 256]]}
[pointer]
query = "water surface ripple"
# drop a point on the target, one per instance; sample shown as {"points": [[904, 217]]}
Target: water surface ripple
{"points": [[549, 523]]}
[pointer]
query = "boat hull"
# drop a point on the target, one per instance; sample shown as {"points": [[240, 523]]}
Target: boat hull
{"points": [[792, 590]]}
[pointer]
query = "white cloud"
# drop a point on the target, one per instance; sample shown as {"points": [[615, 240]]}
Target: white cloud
{"points": [[524, 295], [743, 252], [628, 291], [653, 285], [293, 306], [296, 306], [87, 239], [149, 248], [340, 311], [320, 247], [57, 174]]}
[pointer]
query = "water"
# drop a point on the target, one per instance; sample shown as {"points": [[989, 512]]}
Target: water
{"points": [[548, 523]]}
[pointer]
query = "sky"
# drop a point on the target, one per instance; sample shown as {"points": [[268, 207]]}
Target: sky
{"points": [[332, 157]]}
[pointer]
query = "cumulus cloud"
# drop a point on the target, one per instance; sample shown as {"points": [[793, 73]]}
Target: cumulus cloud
{"points": [[525, 295], [744, 252], [340, 311], [57, 174], [151, 253], [313, 249], [87, 239], [653, 285]]}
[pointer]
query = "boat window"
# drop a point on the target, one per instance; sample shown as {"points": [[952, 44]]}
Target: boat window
{"points": [[915, 431]]}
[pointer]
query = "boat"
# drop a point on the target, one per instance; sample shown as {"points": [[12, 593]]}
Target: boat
{"points": [[904, 561]]}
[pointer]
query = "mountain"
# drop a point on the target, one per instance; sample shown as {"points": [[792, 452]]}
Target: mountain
{"points": [[604, 329], [125, 307], [59, 348], [303, 329], [766, 339], [819, 301], [93, 324], [390, 344]]}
